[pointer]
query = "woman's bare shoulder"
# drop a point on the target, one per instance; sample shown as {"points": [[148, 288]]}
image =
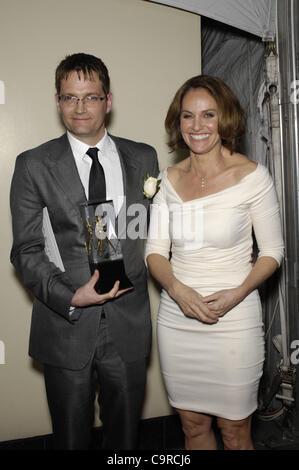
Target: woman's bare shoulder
{"points": [[176, 171], [242, 165]]}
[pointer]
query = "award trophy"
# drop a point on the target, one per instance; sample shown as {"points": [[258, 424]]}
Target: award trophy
{"points": [[102, 245]]}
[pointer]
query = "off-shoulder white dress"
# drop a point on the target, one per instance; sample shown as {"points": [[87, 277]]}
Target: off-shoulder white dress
{"points": [[214, 369]]}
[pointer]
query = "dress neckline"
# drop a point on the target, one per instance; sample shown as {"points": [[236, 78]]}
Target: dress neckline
{"points": [[212, 194]]}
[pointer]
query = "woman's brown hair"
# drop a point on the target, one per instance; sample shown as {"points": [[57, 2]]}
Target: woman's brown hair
{"points": [[231, 116]]}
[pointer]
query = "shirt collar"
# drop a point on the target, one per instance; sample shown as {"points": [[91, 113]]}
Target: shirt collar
{"points": [[80, 148]]}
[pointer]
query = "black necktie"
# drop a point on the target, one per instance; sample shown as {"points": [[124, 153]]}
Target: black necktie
{"points": [[97, 184]]}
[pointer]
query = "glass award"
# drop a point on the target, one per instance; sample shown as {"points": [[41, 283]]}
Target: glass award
{"points": [[102, 245]]}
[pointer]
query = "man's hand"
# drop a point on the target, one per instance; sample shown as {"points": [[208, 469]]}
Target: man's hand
{"points": [[86, 295]]}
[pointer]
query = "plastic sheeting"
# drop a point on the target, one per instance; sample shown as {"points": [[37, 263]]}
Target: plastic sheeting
{"points": [[253, 16], [239, 61]]}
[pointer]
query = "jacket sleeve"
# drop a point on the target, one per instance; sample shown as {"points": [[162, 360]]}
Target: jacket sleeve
{"points": [[47, 282]]}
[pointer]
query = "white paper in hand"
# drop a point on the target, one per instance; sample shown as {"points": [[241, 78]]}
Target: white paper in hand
{"points": [[51, 247]]}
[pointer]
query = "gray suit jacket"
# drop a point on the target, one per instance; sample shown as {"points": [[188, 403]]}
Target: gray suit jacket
{"points": [[47, 176]]}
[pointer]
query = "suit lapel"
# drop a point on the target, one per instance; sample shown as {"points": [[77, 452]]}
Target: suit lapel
{"points": [[63, 168], [129, 169]]}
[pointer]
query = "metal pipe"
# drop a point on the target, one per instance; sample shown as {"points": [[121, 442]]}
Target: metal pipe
{"points": [[288, 45]]}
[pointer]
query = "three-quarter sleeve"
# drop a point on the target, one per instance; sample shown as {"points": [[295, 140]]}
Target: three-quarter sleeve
{"points": [[265, 215], [158, 240]]}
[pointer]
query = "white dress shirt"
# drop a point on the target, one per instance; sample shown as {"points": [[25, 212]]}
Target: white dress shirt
{"points": [[109, 159]]}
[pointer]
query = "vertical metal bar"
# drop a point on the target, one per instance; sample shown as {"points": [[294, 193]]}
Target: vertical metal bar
{"points": [[251, 103], [288, 48]]}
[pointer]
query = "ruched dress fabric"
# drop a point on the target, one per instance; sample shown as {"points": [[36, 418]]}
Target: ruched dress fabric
{"points": [[214, 369]]}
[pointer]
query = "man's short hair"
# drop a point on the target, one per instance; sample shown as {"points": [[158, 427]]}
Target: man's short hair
{"points": [[82, 63]]}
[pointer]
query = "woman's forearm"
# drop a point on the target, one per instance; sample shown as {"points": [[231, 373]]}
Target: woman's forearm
{"points": [[160, 268], [221, 302], [262, 270]]}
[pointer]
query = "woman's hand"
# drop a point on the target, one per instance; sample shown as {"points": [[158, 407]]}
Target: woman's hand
{"points": [[191, 303], [86, 295], [224, 300]]}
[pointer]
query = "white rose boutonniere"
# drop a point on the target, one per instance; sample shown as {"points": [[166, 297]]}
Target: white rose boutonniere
{"points": [[150, 186]]}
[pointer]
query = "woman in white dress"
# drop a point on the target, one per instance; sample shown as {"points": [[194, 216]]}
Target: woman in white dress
{"points": [[210, 330]]}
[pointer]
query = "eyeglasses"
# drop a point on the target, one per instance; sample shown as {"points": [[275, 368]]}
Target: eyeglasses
{"points": [[91, 100]]}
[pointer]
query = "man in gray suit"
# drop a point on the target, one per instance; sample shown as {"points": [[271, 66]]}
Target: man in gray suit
{"points": [[82, 336]]}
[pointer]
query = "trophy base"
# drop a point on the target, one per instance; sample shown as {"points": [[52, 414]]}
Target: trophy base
{"points": [[110, 272]]}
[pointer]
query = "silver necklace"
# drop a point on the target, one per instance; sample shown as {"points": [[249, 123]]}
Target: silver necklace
{"points": [[203, 182]]}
